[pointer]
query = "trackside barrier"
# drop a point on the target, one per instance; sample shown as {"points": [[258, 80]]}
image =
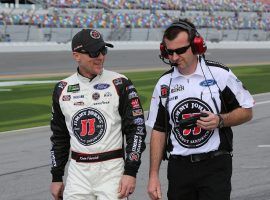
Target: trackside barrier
{"points": [[123, 45]]}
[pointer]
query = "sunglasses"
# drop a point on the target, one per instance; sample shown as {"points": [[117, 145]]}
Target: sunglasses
{"points": [[178, 51], [103, 51]]}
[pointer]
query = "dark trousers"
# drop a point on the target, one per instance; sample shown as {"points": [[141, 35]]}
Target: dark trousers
{"points": [[204, 180]]}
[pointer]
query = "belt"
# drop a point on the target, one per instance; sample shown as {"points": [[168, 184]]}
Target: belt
{"points": [[97, 157], [201, 156]]}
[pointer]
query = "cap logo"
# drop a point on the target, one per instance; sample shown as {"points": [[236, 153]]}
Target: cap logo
{"points": [[95, 34]]}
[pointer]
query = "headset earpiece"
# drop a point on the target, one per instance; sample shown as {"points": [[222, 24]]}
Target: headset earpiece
{"points": [[198, 45], [163, 51]]}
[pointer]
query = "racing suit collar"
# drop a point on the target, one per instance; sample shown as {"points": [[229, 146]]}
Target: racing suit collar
{"points": [[83, 78]]}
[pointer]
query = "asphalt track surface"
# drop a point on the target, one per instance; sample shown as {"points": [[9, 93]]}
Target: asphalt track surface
{"points": [[61, 62], [25, 159]]}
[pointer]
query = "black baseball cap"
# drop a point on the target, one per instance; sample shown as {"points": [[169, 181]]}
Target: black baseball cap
{"points": [[88, 40]]}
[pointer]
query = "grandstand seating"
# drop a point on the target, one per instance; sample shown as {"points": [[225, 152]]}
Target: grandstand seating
{"points": [[135, 19]]}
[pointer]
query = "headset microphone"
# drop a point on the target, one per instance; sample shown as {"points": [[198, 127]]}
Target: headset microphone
{"points": [[168, 62], [163, 55]]}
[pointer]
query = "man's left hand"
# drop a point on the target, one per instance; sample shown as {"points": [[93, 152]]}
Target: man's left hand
{"points": [[208, 123], [126, 186]]}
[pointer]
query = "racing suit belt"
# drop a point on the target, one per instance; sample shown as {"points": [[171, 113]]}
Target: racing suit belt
{"points": [[97, 157], [201, 156]]}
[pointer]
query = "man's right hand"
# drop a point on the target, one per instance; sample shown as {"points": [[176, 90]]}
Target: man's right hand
{"points": [[57, 189], [154, 189]]}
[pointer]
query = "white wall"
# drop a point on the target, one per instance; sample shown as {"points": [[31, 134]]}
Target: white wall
{"points": [[151, 45]]}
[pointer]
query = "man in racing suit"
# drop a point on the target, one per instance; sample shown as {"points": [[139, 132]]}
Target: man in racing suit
{"points": [[91, 112]]}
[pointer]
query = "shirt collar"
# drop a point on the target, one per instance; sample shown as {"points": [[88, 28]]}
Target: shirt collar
{"points": [[200, 64]]}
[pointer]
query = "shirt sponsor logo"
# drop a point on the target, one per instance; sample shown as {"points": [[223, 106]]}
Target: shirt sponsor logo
{"points": [[89, 126], [101, 86], [208, 82], [137, 143], [101, 103], [137, 112], [66, 98], [135, 103], [107, 94], [74, 88], [78, 97], [132, 95], [173, 98], [194, 137], [80, 103], [53, 159], [138, 121], [96, 96], [177, 88]]}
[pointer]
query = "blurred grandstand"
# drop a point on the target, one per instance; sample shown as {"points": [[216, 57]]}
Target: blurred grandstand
{"points": [[136, 20]]}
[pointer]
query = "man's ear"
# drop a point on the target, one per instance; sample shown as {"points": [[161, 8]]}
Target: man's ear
{"points": [[76, 56]]}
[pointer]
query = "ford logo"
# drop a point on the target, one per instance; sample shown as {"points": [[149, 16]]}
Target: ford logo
{"points": [[101, 86], [208, 82]]}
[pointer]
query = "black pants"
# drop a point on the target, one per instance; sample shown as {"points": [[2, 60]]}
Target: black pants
{"points": [[205, 180]]}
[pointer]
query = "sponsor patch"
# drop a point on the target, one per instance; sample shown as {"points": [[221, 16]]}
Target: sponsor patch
{"points": [[140, 130], [78, 97], [137, 142], [62, 84], [173, 98], [107, 94], [132, 95], [134, 156], [80, 103], [101, 103], [74, 88], [177, 88], [135, 103], [164, 89], [89, 126], [66, 98], [130, 87], [117, 81], [101, 86], [137, 112], [139, 121], [208, 82], [194, 137], [95, 34], [95, 96]]}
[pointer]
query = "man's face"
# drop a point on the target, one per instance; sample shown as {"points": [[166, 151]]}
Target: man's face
{"points": [[185, 61], [88, 66]]}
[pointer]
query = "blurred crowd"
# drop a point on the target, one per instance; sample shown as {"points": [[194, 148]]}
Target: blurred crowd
{"points": [[119, 18], [134, 20], [215, 5]]}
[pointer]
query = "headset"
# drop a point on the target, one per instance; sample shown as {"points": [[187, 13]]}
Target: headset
{"points": [[197, 43]]}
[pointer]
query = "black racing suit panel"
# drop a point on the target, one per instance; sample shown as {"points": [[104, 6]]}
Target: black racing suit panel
{"points": [[133, 127], [60, 139]]}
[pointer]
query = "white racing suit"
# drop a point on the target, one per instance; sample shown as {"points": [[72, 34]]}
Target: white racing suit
{"points": [[90, 118]]}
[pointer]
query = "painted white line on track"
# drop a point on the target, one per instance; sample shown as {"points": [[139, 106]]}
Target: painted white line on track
{"points": [[26, 129], [16, 83], [5, 90], [262, 102], [264, 145], [261, 94]]}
